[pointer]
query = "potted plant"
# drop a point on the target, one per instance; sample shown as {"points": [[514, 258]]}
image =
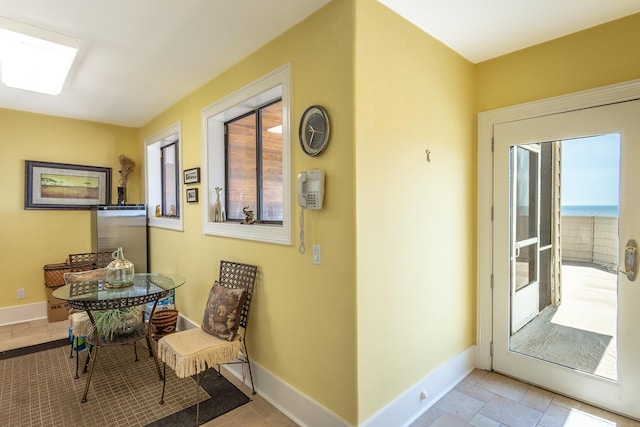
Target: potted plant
{"points": [[116, 322]]}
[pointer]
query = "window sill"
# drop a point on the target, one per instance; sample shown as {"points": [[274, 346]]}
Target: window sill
{"points": [[167, 223], [269, 233]]}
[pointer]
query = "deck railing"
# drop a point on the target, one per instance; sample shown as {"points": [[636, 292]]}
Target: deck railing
{"points": [[590, 239]]}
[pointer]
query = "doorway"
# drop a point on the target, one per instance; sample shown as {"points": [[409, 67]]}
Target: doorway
{"points": [[564, 209], [550, 121]]}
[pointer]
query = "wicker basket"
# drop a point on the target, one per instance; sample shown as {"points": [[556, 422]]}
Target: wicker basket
{"points": [[164, 322], [54, 274]]}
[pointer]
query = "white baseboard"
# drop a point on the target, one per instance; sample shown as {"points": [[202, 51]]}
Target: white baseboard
{"points": [[305, 411], [23, 313], [300, 408], [408, 407]]}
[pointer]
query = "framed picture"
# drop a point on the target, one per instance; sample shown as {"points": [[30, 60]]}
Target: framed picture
{"points": [[192, 195], [64, 186], [192, 176]]}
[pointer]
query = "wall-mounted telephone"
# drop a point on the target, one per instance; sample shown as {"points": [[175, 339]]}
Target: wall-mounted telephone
{"points": [[311, 189], [310, 196]]}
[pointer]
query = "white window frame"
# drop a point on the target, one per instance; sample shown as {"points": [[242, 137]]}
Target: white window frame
{"points": [[153, 174], [268, 88]]}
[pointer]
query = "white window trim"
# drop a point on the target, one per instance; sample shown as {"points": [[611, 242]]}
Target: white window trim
{"points": [[270, 87], [153, 186]]}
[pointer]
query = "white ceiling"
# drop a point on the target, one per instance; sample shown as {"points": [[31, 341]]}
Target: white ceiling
{"points": [[483, 29], [139, 57]]}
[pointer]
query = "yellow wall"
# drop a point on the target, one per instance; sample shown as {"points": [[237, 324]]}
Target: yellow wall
{"points": [[395, 295], [33, 238], [416, 221], [303, 315], [599, 56]]}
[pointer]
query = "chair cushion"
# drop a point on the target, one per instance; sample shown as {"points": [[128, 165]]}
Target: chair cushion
{"points": [[222, 312], [194, 350]]}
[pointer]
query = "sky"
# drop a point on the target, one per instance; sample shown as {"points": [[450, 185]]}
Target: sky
{"points": [[590, 170]]}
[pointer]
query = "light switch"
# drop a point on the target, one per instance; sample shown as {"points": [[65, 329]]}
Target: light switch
{"points": [[317, 254]]}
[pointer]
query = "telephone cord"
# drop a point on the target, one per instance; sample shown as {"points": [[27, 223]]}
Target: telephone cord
{"points": [[302, 249]]}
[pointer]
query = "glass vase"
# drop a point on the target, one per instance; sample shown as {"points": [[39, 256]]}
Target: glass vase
{"points": [[120, 271]]}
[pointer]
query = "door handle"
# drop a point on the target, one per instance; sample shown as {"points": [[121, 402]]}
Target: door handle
{"points": [[630, 260]]}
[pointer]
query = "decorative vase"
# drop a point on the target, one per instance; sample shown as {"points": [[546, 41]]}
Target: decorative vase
{"points": [[122, 195], [120, 271]]}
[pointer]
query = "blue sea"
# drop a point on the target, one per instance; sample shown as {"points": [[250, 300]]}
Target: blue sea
{"points": [[589, 210]]}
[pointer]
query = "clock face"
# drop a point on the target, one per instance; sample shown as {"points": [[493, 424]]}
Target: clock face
{"points": [[314, 130]]}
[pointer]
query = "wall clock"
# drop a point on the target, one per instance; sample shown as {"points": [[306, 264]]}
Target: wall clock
{"points": [[314, 130]]}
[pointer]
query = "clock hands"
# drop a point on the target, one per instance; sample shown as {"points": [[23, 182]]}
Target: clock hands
{"points": [[313, 130], [313, 133]]}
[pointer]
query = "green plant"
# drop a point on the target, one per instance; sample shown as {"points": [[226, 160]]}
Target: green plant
{"points": [[120, 321]]}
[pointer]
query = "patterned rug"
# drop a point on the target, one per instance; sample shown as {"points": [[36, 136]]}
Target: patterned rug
{"points": [[37, 387]]}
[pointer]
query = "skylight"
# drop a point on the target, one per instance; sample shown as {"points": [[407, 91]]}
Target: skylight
{"points": [[33, 58]]}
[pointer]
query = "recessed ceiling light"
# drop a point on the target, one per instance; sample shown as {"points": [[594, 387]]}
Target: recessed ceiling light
{"points": [[33, 58]]}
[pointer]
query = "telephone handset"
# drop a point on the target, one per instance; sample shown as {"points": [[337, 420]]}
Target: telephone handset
{"points": [[311, 189]]}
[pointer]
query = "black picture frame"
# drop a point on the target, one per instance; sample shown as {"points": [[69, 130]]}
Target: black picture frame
{"points": [[192, 176], [65, 186], [192, 195]]}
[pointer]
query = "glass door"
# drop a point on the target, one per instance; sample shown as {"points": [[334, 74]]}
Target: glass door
{"points": [[528, 283]]}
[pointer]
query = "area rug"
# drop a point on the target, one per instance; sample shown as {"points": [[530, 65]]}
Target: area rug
{"points": [[37, 387]]}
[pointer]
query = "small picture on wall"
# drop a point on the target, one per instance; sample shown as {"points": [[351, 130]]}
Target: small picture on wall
{"points": [[192, 176], [192, 195]]}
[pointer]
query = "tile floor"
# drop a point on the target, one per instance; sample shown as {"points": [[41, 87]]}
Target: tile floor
{"points": [[482, 399], [488, 399]]}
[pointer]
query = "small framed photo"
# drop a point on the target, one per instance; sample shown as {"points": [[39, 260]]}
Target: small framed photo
{"points": [[192, 176], [192, 195]]}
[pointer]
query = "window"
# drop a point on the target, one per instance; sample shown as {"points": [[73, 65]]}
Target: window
{"points": [[163, 166], [253, 154], [170, 178], [246, 151]]}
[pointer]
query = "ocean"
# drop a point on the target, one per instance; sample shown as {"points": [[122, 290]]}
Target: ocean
{"points": [[589, 210]]}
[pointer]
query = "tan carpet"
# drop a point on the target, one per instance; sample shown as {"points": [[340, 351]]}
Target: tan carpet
{"points": [[40, 389]]}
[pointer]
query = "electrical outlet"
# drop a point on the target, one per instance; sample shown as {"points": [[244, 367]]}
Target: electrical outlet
{"points": [[20, 293]]}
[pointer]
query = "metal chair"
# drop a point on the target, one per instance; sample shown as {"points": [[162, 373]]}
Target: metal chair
{"points": [[194, 351], [79, 322], [89, 260], [85, 262]]}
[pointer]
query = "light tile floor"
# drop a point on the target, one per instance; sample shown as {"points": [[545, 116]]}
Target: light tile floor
{"points": [[488, 399], [482, 399]]}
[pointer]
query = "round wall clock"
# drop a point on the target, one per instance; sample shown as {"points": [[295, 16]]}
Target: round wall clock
{"points": [[314, 130]]}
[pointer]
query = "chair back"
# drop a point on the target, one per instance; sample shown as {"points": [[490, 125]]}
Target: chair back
{"points": [[238, 275], [89, 261]]}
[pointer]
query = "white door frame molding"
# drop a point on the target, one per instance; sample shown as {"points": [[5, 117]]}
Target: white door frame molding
{"points": [[486, 121]]}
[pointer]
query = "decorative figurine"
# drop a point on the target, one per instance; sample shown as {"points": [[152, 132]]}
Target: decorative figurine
{"points": [[172, 210], [249, 218], [218, 211], [158, 211]]}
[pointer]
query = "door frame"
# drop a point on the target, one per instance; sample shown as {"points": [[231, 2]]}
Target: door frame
{"points": [[486, 120]]}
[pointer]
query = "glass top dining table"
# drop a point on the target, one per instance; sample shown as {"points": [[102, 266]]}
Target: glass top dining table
{"points": [[97, 295]]}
